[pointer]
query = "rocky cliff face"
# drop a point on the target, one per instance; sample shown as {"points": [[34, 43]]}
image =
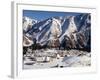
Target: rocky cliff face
{"points": [[61, 31]]}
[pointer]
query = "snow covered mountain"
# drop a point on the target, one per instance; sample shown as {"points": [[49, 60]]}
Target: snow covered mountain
{"points": [[28, 23], [68, 31]]}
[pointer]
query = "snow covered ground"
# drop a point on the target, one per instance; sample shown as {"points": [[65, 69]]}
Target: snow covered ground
{"points": [[51, 58]]}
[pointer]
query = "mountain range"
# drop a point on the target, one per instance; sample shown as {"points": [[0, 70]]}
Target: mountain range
{"points": [[63, 31]]}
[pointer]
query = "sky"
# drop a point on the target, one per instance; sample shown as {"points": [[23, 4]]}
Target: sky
{"points": [[41, 15]]}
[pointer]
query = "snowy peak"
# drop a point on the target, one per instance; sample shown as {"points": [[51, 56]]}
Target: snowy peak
{"points": [[28, 23]]}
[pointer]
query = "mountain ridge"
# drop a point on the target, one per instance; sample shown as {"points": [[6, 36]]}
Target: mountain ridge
{"points": [[74, 31]]}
